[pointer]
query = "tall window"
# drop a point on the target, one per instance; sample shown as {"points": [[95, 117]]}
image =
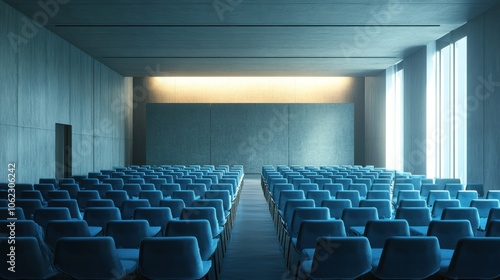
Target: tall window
{"points": [[446, 151], [394, 117]]}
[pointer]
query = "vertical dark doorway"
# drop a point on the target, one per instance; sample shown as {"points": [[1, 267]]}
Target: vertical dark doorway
{"points": [[63, 150]]}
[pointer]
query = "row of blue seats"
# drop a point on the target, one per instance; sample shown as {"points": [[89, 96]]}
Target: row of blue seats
{"points": [[301, 213]]}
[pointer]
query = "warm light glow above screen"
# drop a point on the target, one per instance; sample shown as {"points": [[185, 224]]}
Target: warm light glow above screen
{"points": [[252, 89]]}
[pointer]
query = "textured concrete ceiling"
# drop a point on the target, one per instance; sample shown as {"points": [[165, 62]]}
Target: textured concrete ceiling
{"points": [[250, 37]]}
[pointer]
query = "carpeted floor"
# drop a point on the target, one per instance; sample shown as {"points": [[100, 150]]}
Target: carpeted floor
{"points": [[253, 251]]}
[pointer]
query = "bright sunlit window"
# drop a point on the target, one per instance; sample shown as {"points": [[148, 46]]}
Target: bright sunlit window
{"points": [[447, 114], [394, 117]]}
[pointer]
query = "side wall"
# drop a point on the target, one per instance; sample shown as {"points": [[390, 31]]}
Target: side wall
{"points": [[483, 89], [44, 80], [375, 120]]}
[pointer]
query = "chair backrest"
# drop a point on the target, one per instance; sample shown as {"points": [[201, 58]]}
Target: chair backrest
{"points": [[437, 194], [71, 204], [57, 229], [475, 258], [426, 188], [156, 216], [129, 206], [301, 214], [407, 194], [183, 182], [44, 188], [493, 229], [360, 187], [84, 195], [440, 205], [148, 187], [381, 187], [459, 213], [479, 188], [100, 203], [416, 216], [341, 258], [289, 194], [318, 196], [153, 197], [101, 188], [71, 188], [88, 258], [412, 202], [384, 207], [197, 228], [168, 188], [30, 261], [344, 181], [171, 258], [449, 232], [333, 188], [352, 195], [87, 182], [29, 206], [217, 204], [441, 182], [378, 231], [116, 183], [454, 188], [198, 188], [401, 187], [408, 257], [43, 215], [58, 194], [223, 195], [466, 197], [336, 206], [207, 213], [175, 205], [186, 195], [358, 216], [484, 205], [127, 233], [117, 196], [321, 181], [31, 194], [378, 194], [290, 206], [132, 190], [311, 230], [100, 216]]}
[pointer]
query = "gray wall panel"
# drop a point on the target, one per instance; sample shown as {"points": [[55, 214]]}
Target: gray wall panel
{"points": [[178, 133], [321, 134], [375, 145], [48, 81], [249, 134]]}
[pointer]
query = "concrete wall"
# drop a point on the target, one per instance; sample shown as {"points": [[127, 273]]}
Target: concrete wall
{"points": [[274, 91], [483, 89], [375, 120], [250, 134], [44, 80]]}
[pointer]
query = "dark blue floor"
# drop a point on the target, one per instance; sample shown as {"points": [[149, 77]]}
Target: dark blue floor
{"points": [[254, 251]]}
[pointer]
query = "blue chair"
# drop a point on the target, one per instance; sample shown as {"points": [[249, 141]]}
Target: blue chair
{"points": [[483, 208], [493, 229], [58, 194], [198, 188], [31, 194], [91, 258], [43, 215], [128, 234], [381, 187], [156, 216], [30, 261], [454, 188], [157, 182], [377, 231], [217, 204], [412, 202], [462, 213], [352, 195], [493, 194], [437, 194], [440, 205], [168, 188], [207, 213], [129, 206], [401, 187], [100, 203], [117, 196], [479, 188], [415, 216], [87, 182], [306, 187], [378, 194], [474, 258], [318, 196], [44, 189], [71, 204], [57, 229], [358, 216], [405, 257], [148, 187], [449, 232], [153, 197], [384, 207], [116, 183], [361, 188], [175, 205], [101, 188], [426, 188], [336, 207], [100, 216], [29, 206], [338, 258], [72, 189], [84, 195], [407, 194], [160, 258], [132, 190], [187, 196], [333, 188], [465, 197]]}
